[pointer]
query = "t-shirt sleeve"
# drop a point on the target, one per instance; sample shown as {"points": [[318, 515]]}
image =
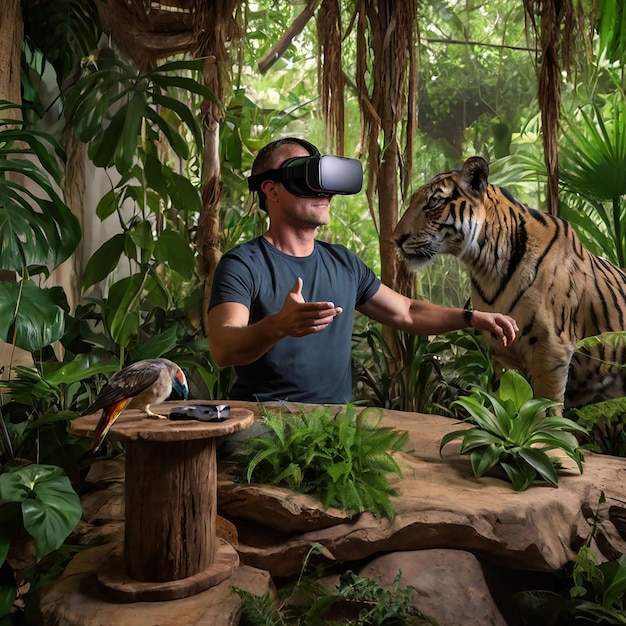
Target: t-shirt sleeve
{"points": [[232, 282], [368, 282]]}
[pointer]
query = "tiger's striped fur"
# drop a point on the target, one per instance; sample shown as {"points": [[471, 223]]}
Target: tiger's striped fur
{"points": [[529, 265]]}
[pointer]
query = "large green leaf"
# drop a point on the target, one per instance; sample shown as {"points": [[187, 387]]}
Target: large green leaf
{"points": [[82, 367], [477, 438], [123, 308], [480, 414], [172, 248], [157, 346], [134, 100], [50, 507], [611, 27], [104, 260], [594, 151], [520, 474], [35, 227], [64, 30], [8, 593], [483, 459], [541, 463], [515, 387], [615, 580], [31, 317]]}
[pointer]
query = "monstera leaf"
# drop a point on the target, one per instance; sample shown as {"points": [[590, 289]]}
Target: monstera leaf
{"points": [[36, 226], [50, 508], [31, 317]]}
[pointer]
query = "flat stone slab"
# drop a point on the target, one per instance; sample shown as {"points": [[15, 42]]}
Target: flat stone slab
{"points": [[75, 599], [439, 505]]}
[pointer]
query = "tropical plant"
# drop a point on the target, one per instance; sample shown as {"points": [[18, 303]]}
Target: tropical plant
{"points": [[600, 588], [606, 425], [355, 601], [39, 500], [512, 432], [593, 160], [342, 456], [592, 595], [436, 370], [38, 232], [155, 234], [605, 421]]}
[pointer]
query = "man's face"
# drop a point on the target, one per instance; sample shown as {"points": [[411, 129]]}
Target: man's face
{"points": [[287, 207]]}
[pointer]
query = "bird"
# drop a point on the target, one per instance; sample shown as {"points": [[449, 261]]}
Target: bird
{"points": [[136, 386]]}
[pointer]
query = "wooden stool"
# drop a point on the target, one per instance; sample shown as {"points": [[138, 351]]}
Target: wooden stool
{"points": [[171, 549]]}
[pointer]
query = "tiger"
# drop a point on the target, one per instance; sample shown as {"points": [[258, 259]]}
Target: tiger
{"points": [[530, 265]]}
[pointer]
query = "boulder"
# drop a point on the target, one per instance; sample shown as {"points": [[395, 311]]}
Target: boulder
{"points": [[440, 505]]}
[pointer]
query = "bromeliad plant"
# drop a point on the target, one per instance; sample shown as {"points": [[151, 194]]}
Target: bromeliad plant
{"points": [[513, 433]]}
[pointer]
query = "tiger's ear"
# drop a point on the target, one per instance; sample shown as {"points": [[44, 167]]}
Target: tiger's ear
{"points": [[474, 175]]}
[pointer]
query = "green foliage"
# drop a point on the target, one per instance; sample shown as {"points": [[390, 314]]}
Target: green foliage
{"points": [[29, 236], [593, 595], [40, 405], [605, 420], [341, 456], [355, 601], [593, 159], [601, 588], [37, 500], [435, 372], [50, 507], [156, 235], [37, 231], [64, 31], [512, 432], [606, 423]]}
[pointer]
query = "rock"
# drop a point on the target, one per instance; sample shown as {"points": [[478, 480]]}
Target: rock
{"points": [[74, 599], [449, 528], [449, 585], [439, 505]]}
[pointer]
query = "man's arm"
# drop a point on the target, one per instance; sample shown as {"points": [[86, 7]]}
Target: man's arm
{"points": [[233, 341], [420, 317]]}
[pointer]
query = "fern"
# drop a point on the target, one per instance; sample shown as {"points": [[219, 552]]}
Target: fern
{"points": [[342, 457], [606, 422], [258, 610]]}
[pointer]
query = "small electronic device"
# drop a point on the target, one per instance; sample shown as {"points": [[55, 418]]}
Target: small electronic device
{"points": [[201, 412]]}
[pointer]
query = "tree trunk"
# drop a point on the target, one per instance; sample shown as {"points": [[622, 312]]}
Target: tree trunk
{"points": [[209, 230], [11, 40]]}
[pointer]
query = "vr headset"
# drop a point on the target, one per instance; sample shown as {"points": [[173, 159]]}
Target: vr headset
{"points": [[313, 175]]}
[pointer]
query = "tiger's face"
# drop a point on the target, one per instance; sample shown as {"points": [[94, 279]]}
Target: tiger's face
{"points": [[443, 215]]}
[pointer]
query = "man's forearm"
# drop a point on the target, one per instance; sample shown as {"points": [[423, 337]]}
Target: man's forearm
{"points": [[241, 345]]}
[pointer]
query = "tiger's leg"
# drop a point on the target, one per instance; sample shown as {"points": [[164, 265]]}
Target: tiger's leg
{"points": [[548, 373]]}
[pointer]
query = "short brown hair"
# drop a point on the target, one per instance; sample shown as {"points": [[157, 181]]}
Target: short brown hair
{"points": [[266, 157]]}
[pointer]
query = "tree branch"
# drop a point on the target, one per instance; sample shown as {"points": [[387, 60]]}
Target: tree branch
{"points": [[295, 29]]}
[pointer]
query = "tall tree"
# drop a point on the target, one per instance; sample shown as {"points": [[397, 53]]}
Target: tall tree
{"points": [[11, 39]]}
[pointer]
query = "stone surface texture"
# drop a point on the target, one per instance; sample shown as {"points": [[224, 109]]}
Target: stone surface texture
{"points": [[439, 505], [448, 530]]}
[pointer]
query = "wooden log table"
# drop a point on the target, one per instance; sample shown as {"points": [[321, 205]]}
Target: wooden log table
{"points": [[171, 549]]}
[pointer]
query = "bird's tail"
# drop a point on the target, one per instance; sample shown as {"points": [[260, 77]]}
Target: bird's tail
{"points": [[109, 415]]}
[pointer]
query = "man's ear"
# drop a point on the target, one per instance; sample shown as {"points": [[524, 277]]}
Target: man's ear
{"points": [[268, 187]]}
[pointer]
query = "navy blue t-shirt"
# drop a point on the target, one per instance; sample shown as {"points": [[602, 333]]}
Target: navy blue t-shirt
{"points": [[313, 369]]}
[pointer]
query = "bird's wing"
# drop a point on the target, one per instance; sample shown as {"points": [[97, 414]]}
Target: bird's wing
{"points": [[126, 384], [109, 415]]}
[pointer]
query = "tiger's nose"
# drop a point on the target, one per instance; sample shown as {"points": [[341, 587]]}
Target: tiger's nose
{"points": [[400, 238]]}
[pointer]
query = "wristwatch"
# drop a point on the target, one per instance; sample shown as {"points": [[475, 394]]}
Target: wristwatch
{"points": [[467, 316]]}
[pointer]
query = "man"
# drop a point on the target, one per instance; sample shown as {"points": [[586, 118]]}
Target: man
{"points": [[282, 305]]}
